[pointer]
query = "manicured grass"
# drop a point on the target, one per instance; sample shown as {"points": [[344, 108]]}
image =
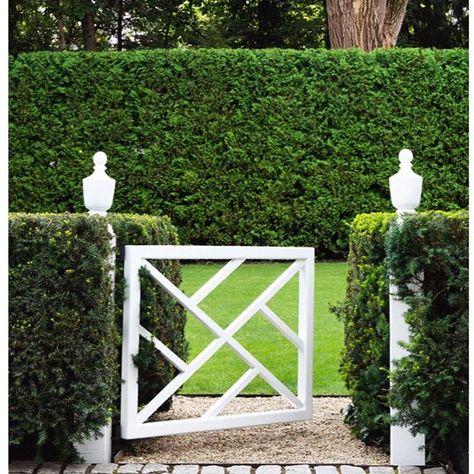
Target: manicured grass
{"points": [[258, 335]]}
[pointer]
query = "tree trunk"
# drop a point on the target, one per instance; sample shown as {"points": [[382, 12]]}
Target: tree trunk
{"points": [[365, 24], [119, 24], [61, 31], [88, 32], [396, 11]]}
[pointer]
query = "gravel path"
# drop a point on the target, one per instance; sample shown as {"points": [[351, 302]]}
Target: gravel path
{"points": [[323, 440]]}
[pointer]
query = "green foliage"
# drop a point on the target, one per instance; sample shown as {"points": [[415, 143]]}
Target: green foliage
{"points": [[35, 25], [269, 147], [436, 372], [64, 330], [436, 24], [63, 352], [366, 329], [159, 312]]}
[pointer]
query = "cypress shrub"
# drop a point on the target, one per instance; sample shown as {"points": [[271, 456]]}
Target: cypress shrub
{"points": [[63, 375], [365, 316], [435, 371], [65, 332], [240, 147]]}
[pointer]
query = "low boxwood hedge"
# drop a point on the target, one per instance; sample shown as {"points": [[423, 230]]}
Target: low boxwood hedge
{"points": [[65, 332], [435, 372]]}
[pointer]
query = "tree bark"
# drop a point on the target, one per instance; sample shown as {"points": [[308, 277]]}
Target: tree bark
{"points": [[365, 24], [61, 31], [88, 32]]}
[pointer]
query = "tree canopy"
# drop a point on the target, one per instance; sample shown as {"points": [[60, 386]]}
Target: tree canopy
{"points": [[39, 25]]}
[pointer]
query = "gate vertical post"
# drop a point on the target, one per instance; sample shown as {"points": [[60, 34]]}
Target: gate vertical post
{"points": [[405, 192], [305, 332], [99, 191]]}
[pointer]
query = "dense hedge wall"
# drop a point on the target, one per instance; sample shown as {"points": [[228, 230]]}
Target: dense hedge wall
{"points": [[240, 146], [64, 330], [435, 372], [63, 340]]}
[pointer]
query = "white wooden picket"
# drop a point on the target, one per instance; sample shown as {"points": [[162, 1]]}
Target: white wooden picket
{"points": [[134, 421]]}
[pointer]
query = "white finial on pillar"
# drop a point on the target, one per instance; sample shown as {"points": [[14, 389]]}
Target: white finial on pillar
{"points": [[99, 188], [406, 185]]}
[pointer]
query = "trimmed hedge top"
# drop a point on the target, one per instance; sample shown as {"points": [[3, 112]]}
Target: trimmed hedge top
{"points": [[248, 147]]}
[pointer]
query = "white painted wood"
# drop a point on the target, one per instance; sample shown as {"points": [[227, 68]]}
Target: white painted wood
{"points": [[164, 428], [98, 188], [133, 423], [406, 185], [230, 394], [305, 331], [405, 449], [216, 280], [168, 354], [130, 344], [97, 450], [210, 252], [282, 326]]}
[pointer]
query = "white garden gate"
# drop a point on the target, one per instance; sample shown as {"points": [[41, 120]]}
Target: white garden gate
{"points": [[133, 422]]}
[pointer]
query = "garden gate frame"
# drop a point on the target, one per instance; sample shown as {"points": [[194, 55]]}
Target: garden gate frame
{"points": [[133, 422]]}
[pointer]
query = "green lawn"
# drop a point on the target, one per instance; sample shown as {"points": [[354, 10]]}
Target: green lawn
{"points": [[258, 335]]}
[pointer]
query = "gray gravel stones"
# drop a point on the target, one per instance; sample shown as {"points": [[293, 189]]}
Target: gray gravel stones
{"points": [[186, 469], [154, 468], [77, 469], [381, 470], [298, 469], [22, 467], [239, 469], [108, 468], [325, 470], [351, 470], [130, 469], [268, 469], [50, 468]]}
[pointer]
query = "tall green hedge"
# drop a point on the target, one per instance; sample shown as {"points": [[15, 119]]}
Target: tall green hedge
{"points": [[65, 333], [273, 147], [435, 372]]}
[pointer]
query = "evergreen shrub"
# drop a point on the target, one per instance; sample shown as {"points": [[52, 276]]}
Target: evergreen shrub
{"points": [[435, 372], [240, 147], [65, 332]]}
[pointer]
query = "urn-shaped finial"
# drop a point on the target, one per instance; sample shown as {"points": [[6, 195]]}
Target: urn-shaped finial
{"points": [[99, 188], [406, 185]]}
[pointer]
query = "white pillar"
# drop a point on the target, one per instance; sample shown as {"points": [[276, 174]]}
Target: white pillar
{"points": [[405, 191], [98, 197]]}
